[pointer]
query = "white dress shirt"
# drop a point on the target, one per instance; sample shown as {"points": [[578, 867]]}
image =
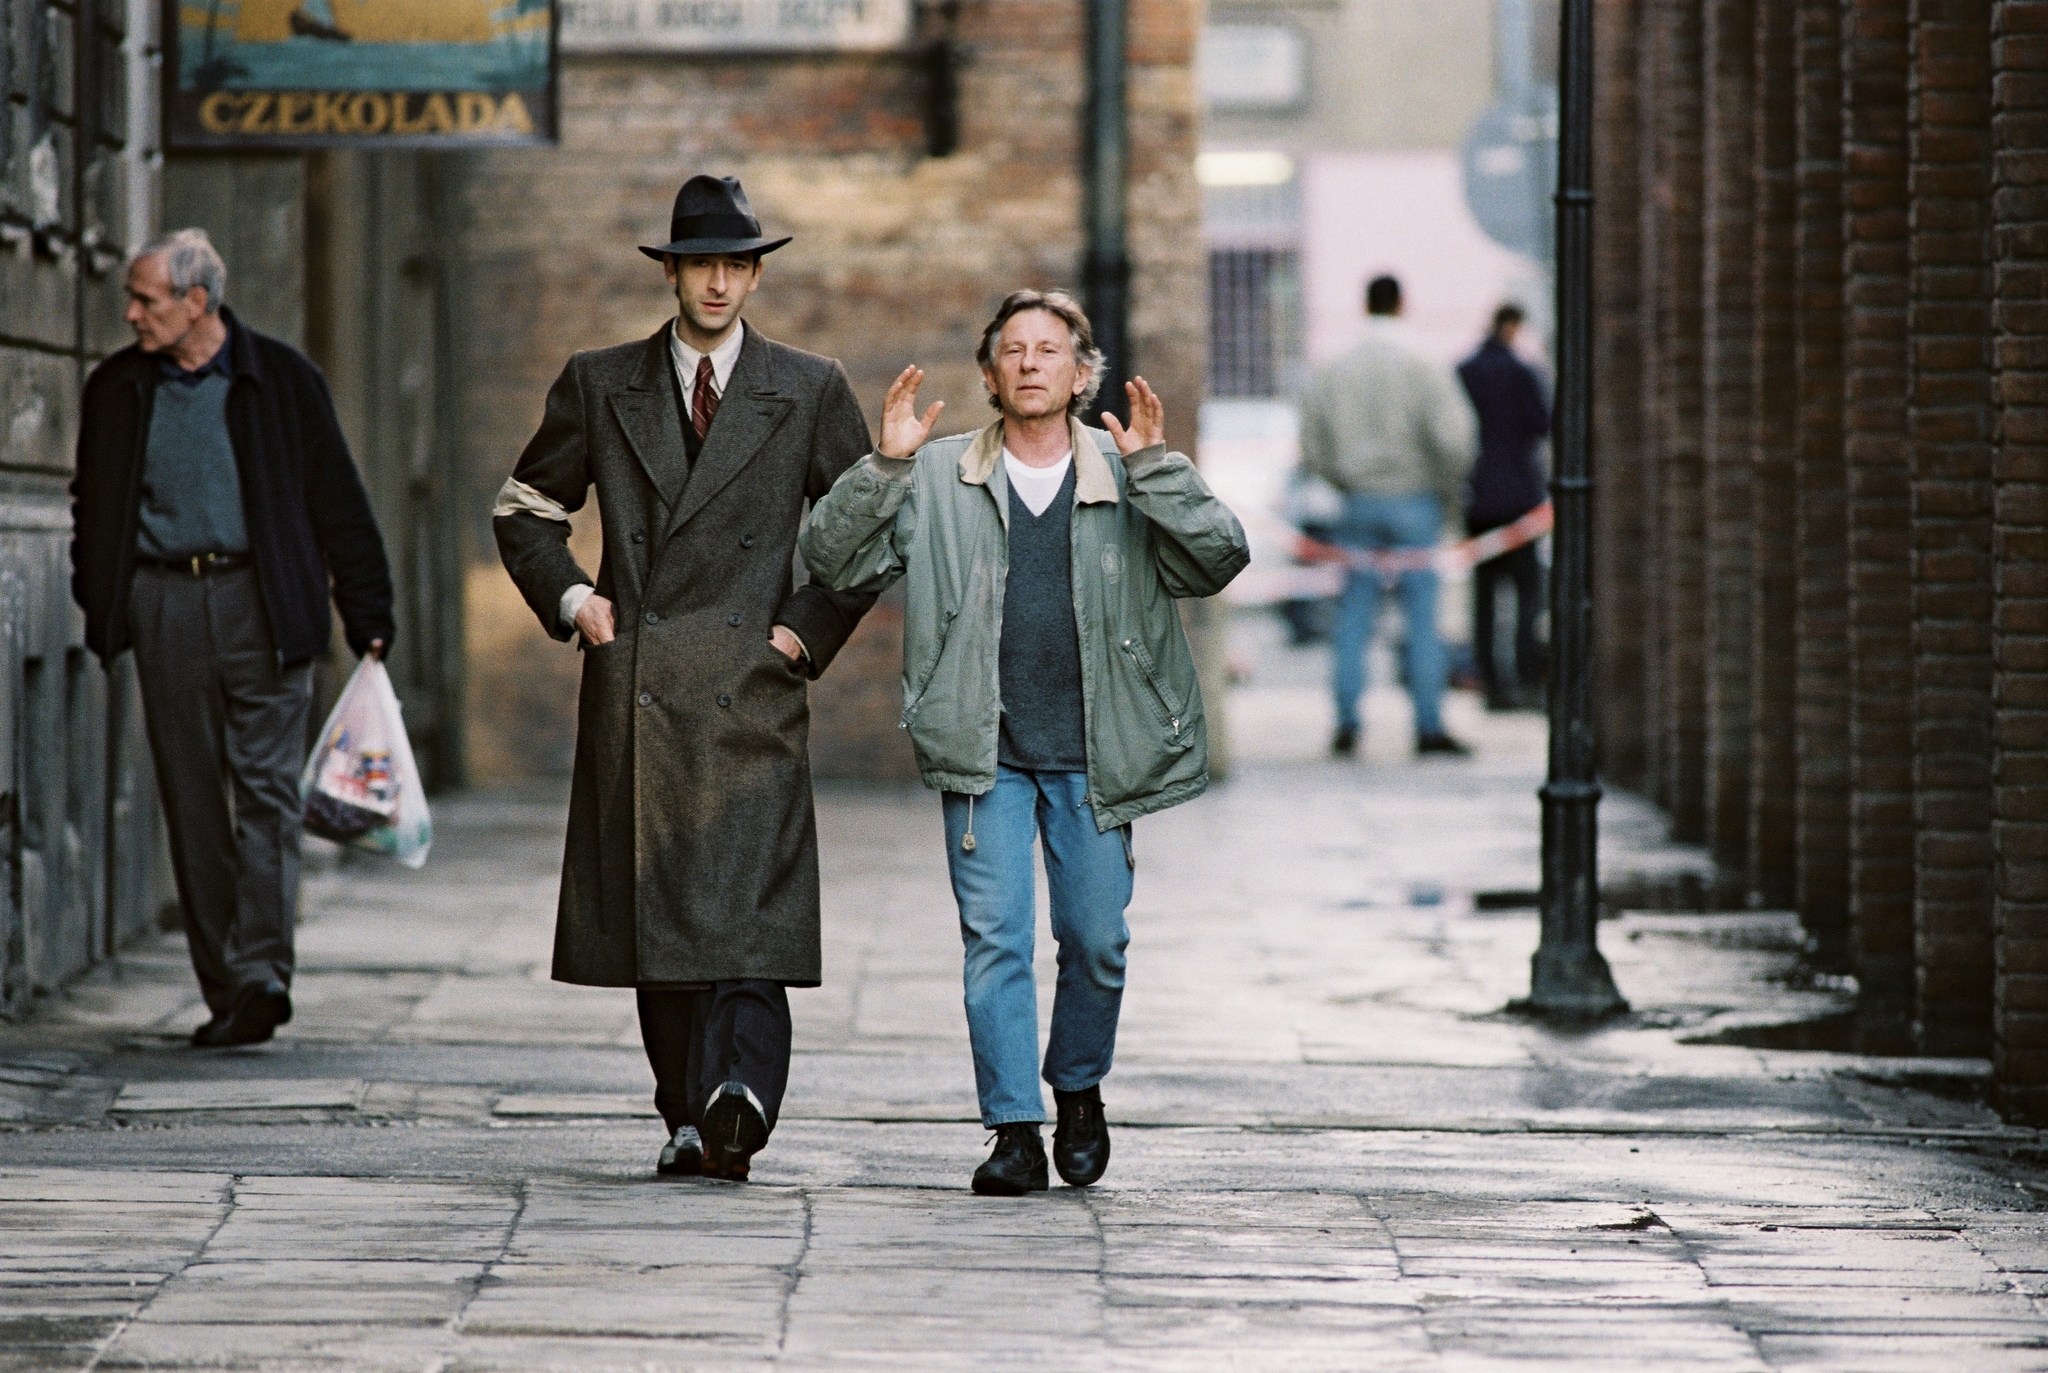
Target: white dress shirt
{"points": [[685, 358]]}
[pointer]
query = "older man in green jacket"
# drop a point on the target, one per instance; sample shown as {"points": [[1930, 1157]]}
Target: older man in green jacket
{"points": [[1046, 679]]}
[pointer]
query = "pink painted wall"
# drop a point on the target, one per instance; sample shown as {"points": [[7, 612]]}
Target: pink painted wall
{"points": [[1404, 213]]}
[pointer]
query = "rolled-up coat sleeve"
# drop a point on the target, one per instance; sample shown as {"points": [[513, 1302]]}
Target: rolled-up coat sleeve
{"points": [[1198, 544], [550, 482]]}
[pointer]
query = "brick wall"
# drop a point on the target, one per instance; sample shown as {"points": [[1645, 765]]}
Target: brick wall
{"points": [[1728, 414], [1821, 885], [1949, 418], [2020, 554], [1773, 509], [1677, 389], [1874, 62], [1895, 333], [1619, 548], [1653, 219], [898, 257]]}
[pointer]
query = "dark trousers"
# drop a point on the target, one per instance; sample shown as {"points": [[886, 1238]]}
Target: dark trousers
{"points": [[1522, 567], [227, 729], [699, 1040]]}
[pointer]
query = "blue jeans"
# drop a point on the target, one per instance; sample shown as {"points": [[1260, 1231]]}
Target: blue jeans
{"points": [[1089, 875], [1387, 523]]}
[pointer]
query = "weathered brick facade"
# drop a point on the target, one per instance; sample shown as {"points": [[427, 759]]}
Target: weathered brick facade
{"points": [[1675, 392], [1821, 477], [1728, 288], [1620, 549], [1891, 331], [1774, 506], [899, 257], [79, 870], [1949, 340], [1874, 51], [2019, 124]]}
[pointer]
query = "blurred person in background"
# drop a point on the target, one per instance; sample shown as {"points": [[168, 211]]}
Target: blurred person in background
{"points": [[1507, 483], [215, 511], [1391, 429]]}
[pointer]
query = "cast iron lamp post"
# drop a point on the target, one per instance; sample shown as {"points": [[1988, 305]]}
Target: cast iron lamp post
{"points": [[1568, 977]]}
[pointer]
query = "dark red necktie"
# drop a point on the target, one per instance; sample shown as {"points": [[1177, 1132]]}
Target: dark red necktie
{"points": [[704, 404]]}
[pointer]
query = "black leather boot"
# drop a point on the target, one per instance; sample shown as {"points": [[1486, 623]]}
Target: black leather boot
{"points": [[1016, 1165], [735, 1128], [1080, 1142]]}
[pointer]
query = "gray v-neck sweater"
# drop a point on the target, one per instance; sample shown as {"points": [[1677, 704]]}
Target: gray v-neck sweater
{"points": [[191, 491], [1039, 656]]}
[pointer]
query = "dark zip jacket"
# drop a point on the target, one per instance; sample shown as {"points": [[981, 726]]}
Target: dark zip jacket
{"points": [[308, 516], [1514, 418]]}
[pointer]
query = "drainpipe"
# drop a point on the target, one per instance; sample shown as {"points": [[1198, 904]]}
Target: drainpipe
{"points": [[1106, 273]]}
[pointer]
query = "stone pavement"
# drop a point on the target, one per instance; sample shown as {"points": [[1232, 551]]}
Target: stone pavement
{"points": [[1333, 1151]]}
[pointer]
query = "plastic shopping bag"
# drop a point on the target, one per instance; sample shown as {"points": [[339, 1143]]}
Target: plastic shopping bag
{"points": [[361, 786]]}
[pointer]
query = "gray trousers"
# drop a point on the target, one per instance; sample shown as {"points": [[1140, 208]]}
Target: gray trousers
{"points": [[227, 728]]}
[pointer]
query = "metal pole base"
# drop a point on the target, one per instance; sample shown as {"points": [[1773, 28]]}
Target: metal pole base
{"points": [[1571, 984]]}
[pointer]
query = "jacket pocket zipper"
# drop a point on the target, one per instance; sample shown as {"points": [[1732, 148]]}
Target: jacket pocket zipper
{"points": [[1144, 661], [931, 669]]}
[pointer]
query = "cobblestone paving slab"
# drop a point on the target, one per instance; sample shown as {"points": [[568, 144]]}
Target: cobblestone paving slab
{"points": [[1333, 1149]]}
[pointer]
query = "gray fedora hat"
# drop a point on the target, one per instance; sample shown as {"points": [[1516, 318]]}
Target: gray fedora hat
{"points": [[712, 216]]}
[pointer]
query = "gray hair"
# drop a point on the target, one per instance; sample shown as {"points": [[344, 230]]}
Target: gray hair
{"points": [[1067, 310], [190, 258]]}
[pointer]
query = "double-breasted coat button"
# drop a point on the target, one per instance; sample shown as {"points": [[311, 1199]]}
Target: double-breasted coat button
{"points": [[746, 541], [653, 618], [646, 698], [724, 699], [733, 620], [639, 537]]}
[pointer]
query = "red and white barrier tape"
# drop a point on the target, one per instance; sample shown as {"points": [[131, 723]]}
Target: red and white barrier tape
{"points": [[1457, 557]]}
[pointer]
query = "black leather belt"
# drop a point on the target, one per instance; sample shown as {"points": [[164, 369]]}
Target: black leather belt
{"points": [[200, 564]]}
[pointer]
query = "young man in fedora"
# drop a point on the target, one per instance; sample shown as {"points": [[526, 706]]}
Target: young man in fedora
{"points": [[691, 870], [1047, 680]]}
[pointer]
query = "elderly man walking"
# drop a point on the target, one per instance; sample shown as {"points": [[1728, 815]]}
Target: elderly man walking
{"points": [[691, 871], [215, 509], [1390, 428], [1047, 680]]}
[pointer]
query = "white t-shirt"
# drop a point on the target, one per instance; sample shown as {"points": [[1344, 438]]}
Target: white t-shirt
{"points": [[1036, 486]]}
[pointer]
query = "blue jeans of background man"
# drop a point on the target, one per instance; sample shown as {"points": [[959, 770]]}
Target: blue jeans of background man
{"points": [[1089, 876], [1389, 523]]}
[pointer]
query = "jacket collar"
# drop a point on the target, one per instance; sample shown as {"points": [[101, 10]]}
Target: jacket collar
{"points": [[1093, 480], [241, 347]]}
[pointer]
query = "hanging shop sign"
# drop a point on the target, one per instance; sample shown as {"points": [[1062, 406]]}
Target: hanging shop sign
{"points": [[735, 25], [358, 73]]}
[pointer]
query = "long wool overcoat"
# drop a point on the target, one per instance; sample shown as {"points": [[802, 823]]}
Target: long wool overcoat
{"points": [[692, 851]]}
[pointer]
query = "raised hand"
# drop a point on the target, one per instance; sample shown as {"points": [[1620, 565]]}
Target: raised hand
{"points": [[1148, 419], [903, 433]]}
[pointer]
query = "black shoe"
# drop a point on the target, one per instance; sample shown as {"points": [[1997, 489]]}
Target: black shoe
{"points": [[1442, 743], [208, 1036], [1016, 1165], [682, 1156], [1080, 1142], [735, 1128], [260, 1008], [1345, 744]]}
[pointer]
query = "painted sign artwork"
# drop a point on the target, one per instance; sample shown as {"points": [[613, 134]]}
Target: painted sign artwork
{"points": [[360, 73]]}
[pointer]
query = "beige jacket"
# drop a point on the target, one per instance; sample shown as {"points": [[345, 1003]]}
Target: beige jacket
{"points": [[1386, 420]]}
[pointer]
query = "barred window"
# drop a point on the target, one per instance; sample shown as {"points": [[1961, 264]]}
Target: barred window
{"points": [[1254, 321]]}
